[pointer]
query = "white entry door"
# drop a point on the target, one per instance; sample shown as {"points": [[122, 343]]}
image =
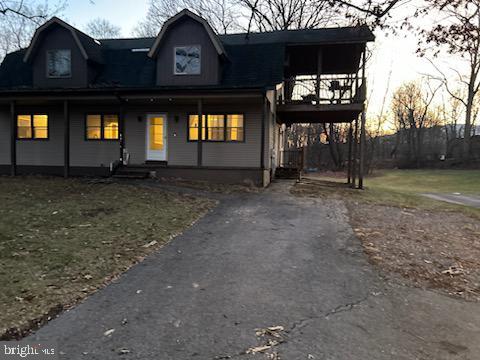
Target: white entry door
{"points": [[157, 137]]}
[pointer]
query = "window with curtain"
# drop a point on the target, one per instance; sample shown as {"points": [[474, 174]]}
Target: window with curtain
{"points": [[101, 127], [217, 127], [32, 127]]}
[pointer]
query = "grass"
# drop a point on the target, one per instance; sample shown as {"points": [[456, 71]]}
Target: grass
{"points": [[62, 239], [425, 181], [402, 188]]}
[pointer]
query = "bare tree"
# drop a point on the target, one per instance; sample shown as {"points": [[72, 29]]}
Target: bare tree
{"points": [[412, 110], [221, 14], [19, 20], [268, 15], [458, 34], [102, 29]]}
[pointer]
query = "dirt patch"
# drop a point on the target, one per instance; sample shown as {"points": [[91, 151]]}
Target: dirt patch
{"points": [[433, 249], [432, 244]]}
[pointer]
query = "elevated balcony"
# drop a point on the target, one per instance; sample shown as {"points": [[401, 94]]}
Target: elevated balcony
{"points": [[324, 98]]}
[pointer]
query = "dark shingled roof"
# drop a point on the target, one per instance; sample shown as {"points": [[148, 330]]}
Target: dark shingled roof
{"points": [[253, 61]]}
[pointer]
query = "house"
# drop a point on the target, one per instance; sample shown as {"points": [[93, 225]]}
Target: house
{"points": [[73, 105]]}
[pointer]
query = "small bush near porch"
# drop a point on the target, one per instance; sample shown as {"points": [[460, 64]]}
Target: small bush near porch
{"points": [[60, 240]]}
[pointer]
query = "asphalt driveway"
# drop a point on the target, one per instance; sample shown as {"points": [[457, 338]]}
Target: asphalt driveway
{"points": [[259, 260]]}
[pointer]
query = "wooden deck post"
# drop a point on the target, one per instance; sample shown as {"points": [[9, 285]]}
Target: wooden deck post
{"points": [[66, 139], [262, 140], [349, 163], [354, 157], [13, 139], [363, 136], [319, 73], [362, 151], [200, 131]]}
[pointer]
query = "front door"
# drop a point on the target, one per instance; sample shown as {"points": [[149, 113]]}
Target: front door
{"points": [[157, 137]]}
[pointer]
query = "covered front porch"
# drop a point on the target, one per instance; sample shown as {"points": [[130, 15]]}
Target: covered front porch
{"points": [[149, 130]]}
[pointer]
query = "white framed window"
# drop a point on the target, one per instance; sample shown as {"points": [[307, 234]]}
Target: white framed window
{"points": [[187, 60], [59, 63]]}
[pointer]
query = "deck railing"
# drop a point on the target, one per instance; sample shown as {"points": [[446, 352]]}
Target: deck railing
{"points": [[326, 89]]}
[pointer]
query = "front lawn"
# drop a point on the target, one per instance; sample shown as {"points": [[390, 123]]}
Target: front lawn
{"points": [[60, 240], [431, 243]]}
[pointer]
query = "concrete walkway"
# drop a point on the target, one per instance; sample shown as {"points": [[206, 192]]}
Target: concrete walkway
{"points": [[263, 260], [457, 198]]}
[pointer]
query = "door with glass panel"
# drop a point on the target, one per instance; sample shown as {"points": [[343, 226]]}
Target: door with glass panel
{"points": [[156, 137]]}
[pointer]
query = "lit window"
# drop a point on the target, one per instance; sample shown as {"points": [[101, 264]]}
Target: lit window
{"points": [[193, 127], [235, 127], [110, 127], [216, 127], [59, 63], [101, 127], [32, 127], [187, 60]]}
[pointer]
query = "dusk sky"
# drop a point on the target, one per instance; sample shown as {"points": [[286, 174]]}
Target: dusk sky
{"points": [[395, 53]]}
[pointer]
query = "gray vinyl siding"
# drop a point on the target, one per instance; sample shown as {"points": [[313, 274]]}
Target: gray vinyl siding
{"points": [[59, 38], [181, 152], [242, 154], [43, 152], [187, 32], [4, 136], [91, 153]]}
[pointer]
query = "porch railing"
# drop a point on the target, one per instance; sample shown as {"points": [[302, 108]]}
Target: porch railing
{"points": [[292, 158], [326, 89]]}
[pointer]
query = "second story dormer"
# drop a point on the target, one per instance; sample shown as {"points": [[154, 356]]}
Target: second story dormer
{"points": [[187, 52], [62, 56]]}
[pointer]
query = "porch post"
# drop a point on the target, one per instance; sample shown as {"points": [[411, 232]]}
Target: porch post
{"points": [[363, 136], [13, 140], [354, 157], [262, 140], [66, 139], [362, 151], [349, 163], [319, 73], [200, 130], [121, 129]]}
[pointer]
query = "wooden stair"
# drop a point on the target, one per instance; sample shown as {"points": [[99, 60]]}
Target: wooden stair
{"points": [[126, 172], [287, 173]]}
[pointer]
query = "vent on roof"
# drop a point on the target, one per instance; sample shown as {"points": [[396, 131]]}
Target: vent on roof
{"points": [[141, 50]]}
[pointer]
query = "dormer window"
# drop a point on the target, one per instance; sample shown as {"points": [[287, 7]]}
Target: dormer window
{"points": [[59, 63], [187, 60]]}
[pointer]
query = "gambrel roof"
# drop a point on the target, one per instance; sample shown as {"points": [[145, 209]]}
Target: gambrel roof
{"points": [[254, 60], [182, 14], [89, 47]]}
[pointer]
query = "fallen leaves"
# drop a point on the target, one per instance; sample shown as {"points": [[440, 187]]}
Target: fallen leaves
{"points": [[454, 270], [151, 243], [109, 332], [271, 336]]}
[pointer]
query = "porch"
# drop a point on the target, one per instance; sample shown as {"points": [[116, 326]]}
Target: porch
{"points": [[141, 125], [326, 84]]}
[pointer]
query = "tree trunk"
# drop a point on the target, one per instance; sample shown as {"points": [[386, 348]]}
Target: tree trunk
{"points": [[468, 126]]}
